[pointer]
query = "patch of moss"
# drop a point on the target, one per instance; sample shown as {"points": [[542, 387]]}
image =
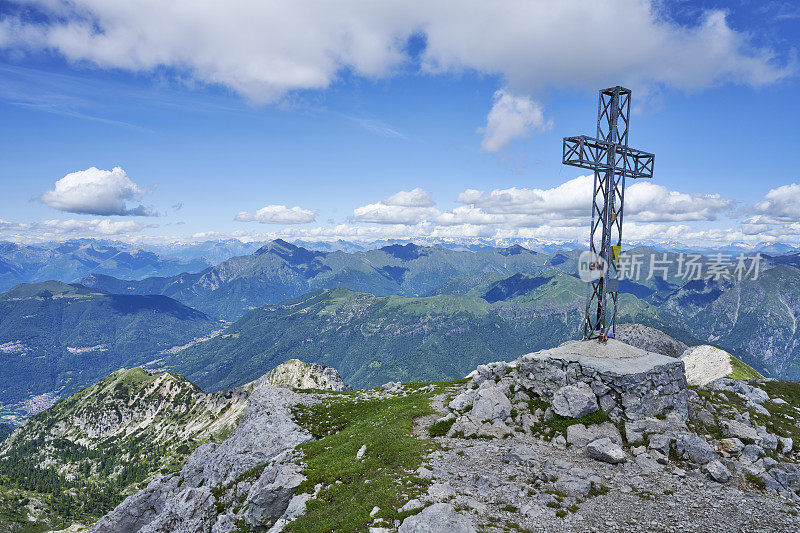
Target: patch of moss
{"points": [[440, 428], [755, 480]]}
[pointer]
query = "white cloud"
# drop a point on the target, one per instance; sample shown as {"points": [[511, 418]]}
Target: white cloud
{"points": [[648, 202], [278, 214], [404, 207], [264, 49], [571, 198], [781, 204], [511, 117], [644, 202], [55, 229], [96, 192], [413, 198]]}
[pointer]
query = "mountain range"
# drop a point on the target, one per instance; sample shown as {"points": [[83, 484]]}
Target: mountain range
{"points": [[71, 260], [56, 338], [399, 312]]}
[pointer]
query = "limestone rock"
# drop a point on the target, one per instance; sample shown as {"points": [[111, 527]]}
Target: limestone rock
{"points": [[635, 430], [574, 401], [606, 450], [438, 518], [574, 486], [424, 473], [300, 375], [703, 364], [786, 444], [646, 462], [752, 452], [266, 435], [580, 435], [463, 400], [411, 505], [767, 440], [440, 491], [490, 404], [269, 497], [738, 430], [649, 339], [695, 448], [660, 443], [731, 446], [717, 471], [747, 392]]}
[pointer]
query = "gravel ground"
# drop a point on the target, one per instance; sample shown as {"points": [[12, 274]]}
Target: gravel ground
{"points": [[501, 494]]}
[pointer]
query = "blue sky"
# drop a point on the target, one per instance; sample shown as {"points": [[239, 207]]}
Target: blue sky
{"points": [[384, 120]]}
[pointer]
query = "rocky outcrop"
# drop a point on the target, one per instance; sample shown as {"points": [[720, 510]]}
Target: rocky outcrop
{"points": [[606, 450], [297, 374], [703, 364], [649, 339], [257, 462], [626, 382], [574, 401], [438, 518]]}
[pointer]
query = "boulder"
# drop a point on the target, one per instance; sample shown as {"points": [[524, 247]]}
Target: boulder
{"points": [[646, 462], [767, 440], [747, 392], [704, 364], [731, 446], [751, 453], [574, 486], [660, 443], [786, 444], [738, 430], [411, 505], [635, 430], [717, 471], [269, 497], [440, 491], [438, 518], [574, 401], [463, 400], [490, 404], [606, 450], [580, 435], [695, 448]]}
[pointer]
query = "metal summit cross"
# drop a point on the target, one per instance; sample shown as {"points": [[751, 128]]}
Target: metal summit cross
{"points": [[612, 161]]}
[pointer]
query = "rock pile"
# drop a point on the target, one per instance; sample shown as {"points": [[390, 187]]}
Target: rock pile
{"points": [[576, 379]]}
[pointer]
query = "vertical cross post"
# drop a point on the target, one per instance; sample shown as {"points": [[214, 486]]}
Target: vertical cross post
{"points": [[609, 156]]}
